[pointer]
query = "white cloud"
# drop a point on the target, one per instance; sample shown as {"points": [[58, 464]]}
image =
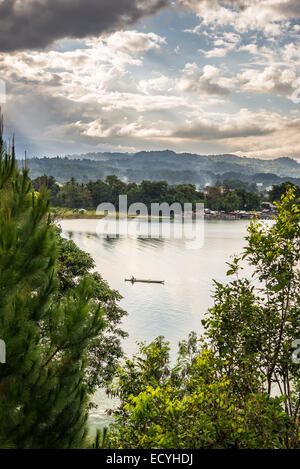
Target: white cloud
{"points": [[129, 42], [269, 16], [270, 80], [101, 65], [291, 52], [158, 85], [202, 82], [222, 45]]}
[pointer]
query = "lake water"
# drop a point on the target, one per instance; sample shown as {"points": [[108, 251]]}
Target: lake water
{"points": [[173, 309]]}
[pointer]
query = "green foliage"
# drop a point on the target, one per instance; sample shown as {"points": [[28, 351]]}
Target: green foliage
{"points": [[190, 406], [149, 368], [72, 263], [90, 195], [101, 440], [73, 266], [279, 190], [168, 166], [47, 182], [59, 322], [230, 199], [237, 387], [253, 324], [75, 196], [238, 184]]}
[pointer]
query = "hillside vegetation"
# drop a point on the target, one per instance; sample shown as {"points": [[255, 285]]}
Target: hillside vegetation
{"points": [[167, 165]]}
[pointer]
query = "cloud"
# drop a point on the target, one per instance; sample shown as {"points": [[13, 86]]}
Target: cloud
{"points": [[132, 42], [228, 126], [202, 82], [35, 24], [205, 127], [99, 64], [271, 80], [138, 129], [256, 134], [269, 16], [158, 85], [223, 44], [125, 88], [291, 52]]}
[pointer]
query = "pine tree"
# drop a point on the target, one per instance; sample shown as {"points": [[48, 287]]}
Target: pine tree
{"points": [[44, 396], [27, 258]]}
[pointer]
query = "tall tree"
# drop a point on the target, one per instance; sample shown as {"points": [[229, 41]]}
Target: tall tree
{"points": [[45, 387], [253, 325]]}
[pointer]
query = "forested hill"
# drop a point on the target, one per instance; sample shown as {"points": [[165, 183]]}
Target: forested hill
{"points": [[166, 165]]}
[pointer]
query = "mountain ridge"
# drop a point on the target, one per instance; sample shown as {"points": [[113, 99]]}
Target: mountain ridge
{"points": [[167, 165]]}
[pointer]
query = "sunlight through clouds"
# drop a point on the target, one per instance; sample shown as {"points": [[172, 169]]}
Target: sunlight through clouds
{"points": [[191, 75]]}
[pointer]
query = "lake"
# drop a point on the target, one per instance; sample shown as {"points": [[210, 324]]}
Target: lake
{"points": [[173, 309]]}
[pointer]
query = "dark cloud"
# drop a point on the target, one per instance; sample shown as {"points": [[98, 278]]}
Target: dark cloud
{"points": [[34, 24]]}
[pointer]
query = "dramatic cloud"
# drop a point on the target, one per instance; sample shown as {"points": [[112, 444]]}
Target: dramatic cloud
{"points": [[86, 80], [99, 64], [34, 24]]}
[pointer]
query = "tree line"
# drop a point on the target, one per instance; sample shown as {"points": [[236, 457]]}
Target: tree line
{"points": [[228, 196]]}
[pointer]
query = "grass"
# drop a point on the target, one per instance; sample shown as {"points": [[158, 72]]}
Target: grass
{"points": [[69, 213]]}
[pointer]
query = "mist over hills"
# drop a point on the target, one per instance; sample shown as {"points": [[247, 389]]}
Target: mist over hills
{"points": [[167, 165]]}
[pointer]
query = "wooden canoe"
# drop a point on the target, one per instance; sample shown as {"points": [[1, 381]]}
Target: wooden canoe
{"points": [[136, 280]]}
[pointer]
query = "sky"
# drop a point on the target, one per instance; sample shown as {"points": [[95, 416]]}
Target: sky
{"points": [[199, 76]]}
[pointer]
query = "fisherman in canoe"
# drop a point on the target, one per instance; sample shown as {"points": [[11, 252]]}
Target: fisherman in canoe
{"points": [[134, 280]]}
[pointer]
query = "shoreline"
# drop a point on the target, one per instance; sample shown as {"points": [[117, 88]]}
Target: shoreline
{"points": [[73, 214]]}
